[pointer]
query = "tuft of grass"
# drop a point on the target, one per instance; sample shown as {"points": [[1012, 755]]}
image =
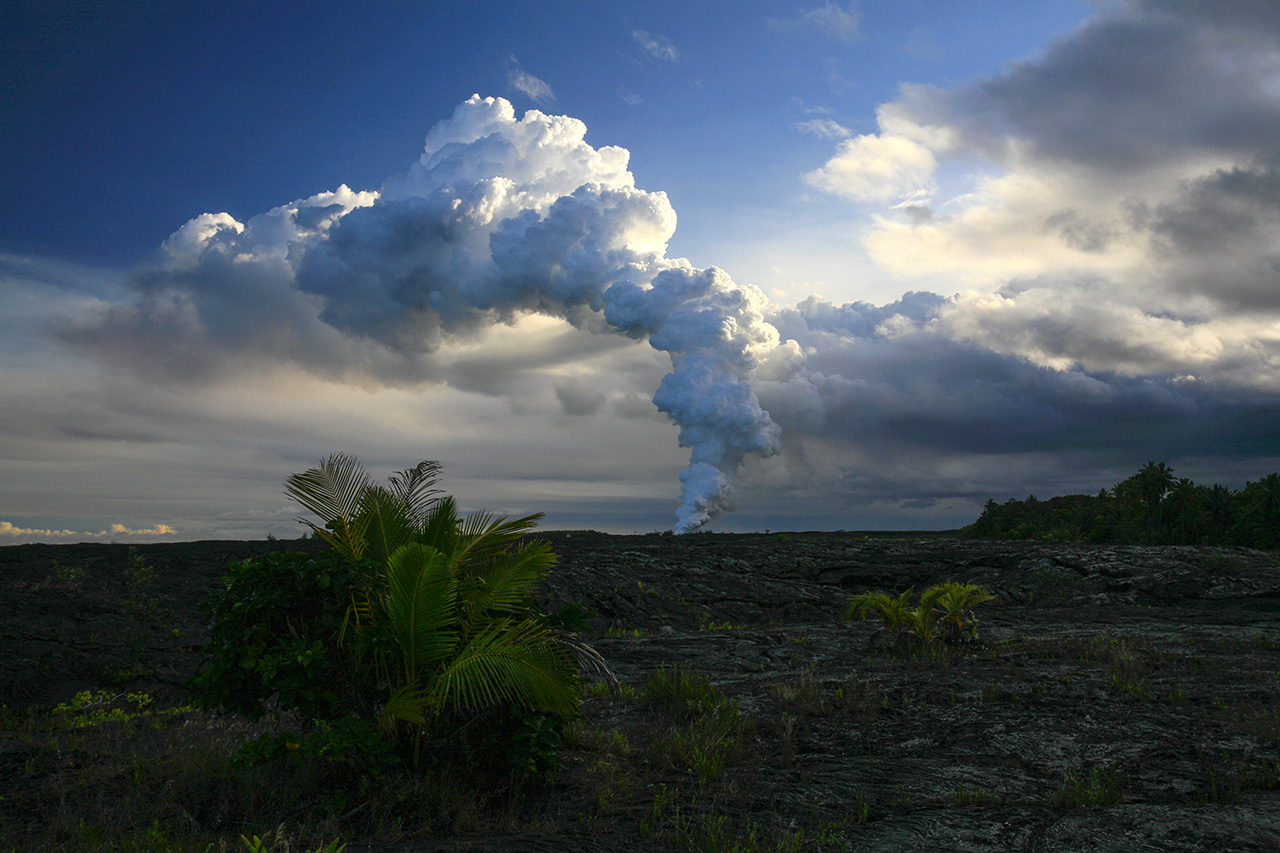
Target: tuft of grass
{"points": [[705, 730], [1125, 659], [675, 692], [113, 772], [71, 575], [710, 828], [803, 695], [962, 795], [1100, 787], [1225, 777], [1261, 722]]}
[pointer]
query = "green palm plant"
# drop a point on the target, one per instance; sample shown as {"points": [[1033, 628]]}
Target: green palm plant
{"points": [[360, 516], [894, 613], [944, 612], [443, 619], [457, 655], [956, 601], [925, 617]]}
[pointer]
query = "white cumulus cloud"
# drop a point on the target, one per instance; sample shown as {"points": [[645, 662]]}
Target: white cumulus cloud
{"points": [[877, 167]]}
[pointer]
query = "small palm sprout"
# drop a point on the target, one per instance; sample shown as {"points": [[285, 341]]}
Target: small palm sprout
{"points": [[956, 601], [895, 613], [944, 613]]}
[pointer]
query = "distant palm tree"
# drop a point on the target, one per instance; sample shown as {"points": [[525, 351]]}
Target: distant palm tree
{"points": [[1260, 512]]}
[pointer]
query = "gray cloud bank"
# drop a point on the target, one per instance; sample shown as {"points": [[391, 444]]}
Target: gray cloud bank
{"points": [[1118, 270]]}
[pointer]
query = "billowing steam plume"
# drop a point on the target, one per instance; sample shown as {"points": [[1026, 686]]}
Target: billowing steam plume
{"points": [[502, 217], [499, 217]]}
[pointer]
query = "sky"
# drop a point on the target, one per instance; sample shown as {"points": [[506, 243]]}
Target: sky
{"points": [[731, 266]]}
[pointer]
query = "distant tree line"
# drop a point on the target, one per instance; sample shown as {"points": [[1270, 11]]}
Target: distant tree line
{"points": [[1150, 508]]}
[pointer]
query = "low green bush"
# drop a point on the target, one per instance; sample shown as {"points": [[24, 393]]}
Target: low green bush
{"points": [[415, 639]]}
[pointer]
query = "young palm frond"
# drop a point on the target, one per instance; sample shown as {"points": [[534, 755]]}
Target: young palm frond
{"points": [[388, 523], [893, 612], [407, 705], [510, 661], [481, 535], [924, 619], [335, 491], [415, 488], [956, 601], [439, 528], [507, 581], [419, 606]]}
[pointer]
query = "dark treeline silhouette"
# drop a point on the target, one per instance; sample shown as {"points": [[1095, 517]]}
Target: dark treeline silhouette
{"points": [[1150, 508]]}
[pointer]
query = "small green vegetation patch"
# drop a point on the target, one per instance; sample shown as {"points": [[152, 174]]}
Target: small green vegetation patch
{"points": [[943, 614]]}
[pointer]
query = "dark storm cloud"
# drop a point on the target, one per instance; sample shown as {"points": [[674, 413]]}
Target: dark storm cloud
{"points": [[1222, 234], [915, 391], [1140, 84], [579, 397], [1222, 211]]}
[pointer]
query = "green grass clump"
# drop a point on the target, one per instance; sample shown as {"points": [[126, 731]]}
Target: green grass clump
{"points": [[1100, 787]]}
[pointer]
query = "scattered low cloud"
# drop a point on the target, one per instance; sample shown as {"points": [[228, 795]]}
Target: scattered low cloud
{"points": [[877, 168], [115, 530], [656, 46], [824, 128], [1126, 211], [841, 23], [538, 91]]}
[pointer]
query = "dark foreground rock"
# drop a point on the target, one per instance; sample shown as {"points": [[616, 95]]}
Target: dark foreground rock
{"points": [[1120, 698]]}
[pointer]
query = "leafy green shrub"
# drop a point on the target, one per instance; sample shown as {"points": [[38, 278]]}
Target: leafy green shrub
{"points": [[419, 625], [347, 740], [275, 644]]}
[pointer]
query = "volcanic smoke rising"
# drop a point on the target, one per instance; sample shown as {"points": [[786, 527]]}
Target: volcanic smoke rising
{"points": [[502, 217], [499, 217]]}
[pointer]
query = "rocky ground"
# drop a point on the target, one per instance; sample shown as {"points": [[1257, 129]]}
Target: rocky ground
{"points": [[1120, 698]]}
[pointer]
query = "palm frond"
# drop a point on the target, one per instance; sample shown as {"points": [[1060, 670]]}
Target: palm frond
{"points": [[333, 491], [482, 535], [508, 579], [359, 613], [510, 661], [419, 607], [924, 618], [407, 705], [957, 601], [415, 488], [440, 527], [387, 524], [590, 662]]}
